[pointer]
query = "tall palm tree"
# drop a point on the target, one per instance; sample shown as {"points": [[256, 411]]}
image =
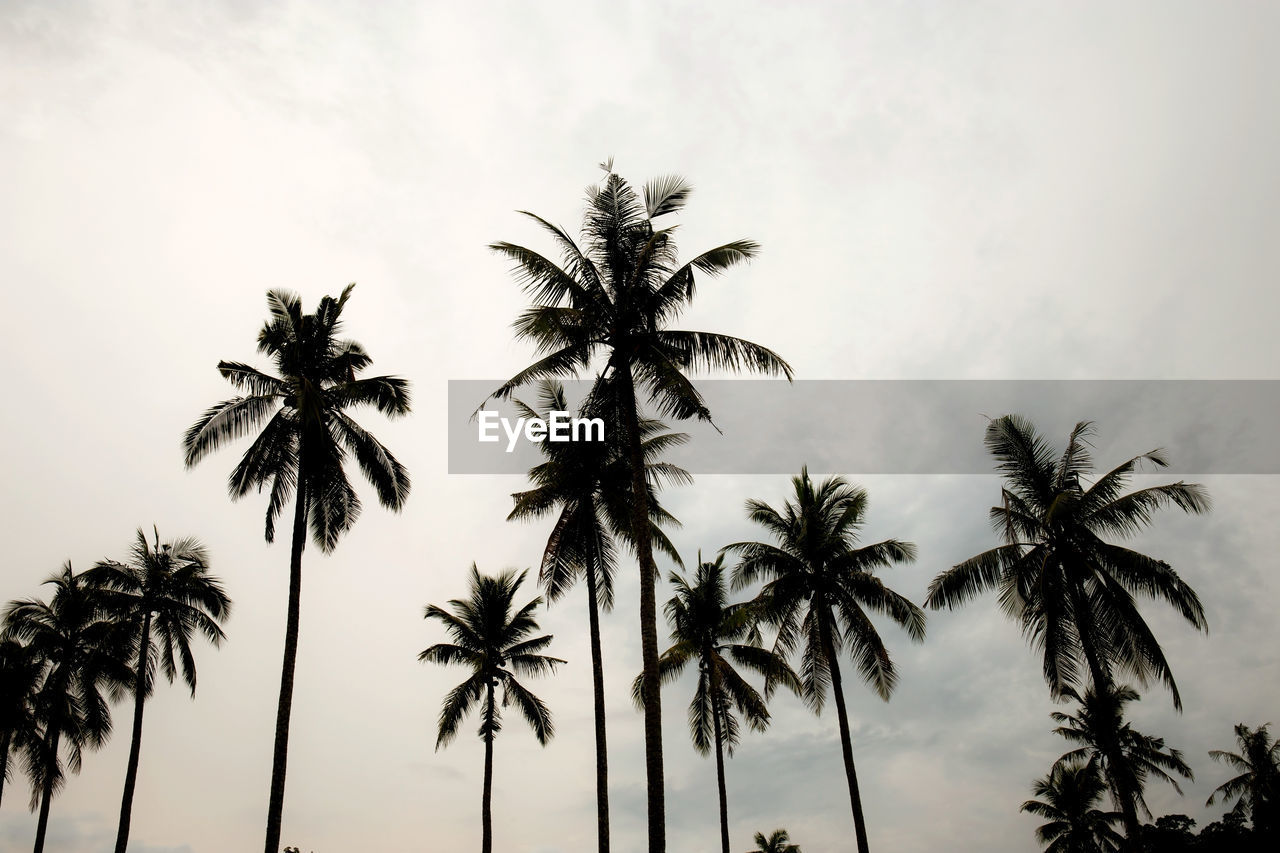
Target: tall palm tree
{"points": [[84, 653], [588, 484], [1098, 722], [492, 638], [1071, 590], [706, 629], [1256, 787], [777, 842], [21, 671], [306, 436], [819, 587], [1069, 799], [614, 299], [168, 591]]}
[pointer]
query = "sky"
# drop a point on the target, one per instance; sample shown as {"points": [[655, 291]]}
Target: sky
{"points": [[988, 190]]}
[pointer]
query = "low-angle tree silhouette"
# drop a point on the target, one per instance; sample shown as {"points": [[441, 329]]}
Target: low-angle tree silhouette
{"points": [[21, 671], [305, 438], [1071, 590], [716, 635], [615, 299], [1069, 798], [165, 589], [1256, 787], [778, 841], [819, 586], [491, 637], [587, 484], [85, 654]]}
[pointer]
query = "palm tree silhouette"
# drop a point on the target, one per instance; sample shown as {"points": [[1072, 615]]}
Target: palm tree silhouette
{"points": [[777, 842], [819, 588], [708, 630], [1256, 788], [615, 299], [21, 670], [494, 642], [1098, 722], [1069, 798], [167, 590], [300, 452], [84, 652], [1072, 591], [590, 487]]}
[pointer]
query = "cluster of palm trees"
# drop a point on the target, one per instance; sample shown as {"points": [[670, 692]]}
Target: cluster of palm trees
{"points": [[97, 639], [605, 309]]}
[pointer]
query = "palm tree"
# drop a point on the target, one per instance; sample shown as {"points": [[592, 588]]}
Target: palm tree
{"points": [[495, 643], [615, 299], [168, 591], [1256, 788], [301, 449], [83, 652], [820, 585], [707, 629], [1072, 591], [1098, 722], [777, 842], [590, 487], [1069, 798], [20, 673]]}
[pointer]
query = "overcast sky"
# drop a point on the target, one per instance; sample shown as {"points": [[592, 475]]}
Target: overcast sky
{"points": [[942, 191]]}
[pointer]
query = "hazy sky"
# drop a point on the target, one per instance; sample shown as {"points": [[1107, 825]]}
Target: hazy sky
{"points": [[943, 191]]}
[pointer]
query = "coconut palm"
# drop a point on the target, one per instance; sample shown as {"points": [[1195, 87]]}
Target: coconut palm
{"points": [[706, 629], [493, 639], [20, 673], [1256, 788], [777, 842], [1069, 798], [615, 299], [84, 653], [167, 590], [1098, 722], [819, 588], [305, 438], [588, 485], [1071, 590]]}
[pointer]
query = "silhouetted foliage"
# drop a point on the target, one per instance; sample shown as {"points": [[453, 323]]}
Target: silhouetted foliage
{"points": [[819, 588], [493, 640], [616, 299], [1256, 787], [777, 842], [1069, 797], [305, 439]]}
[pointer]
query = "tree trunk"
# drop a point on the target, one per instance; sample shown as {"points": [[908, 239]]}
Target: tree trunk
{"points": [[648, 619], [1122, 789], [46, 794], [4, 761], [846, 745], [486, 802], [602, 752], [135, 746], [275, 808], [724, 799]]}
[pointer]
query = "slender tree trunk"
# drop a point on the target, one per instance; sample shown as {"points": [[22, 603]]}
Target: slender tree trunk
{"points": [[602, 750], [486, 802], [846, 745], [135, 746], [46, 793], [724, 798], [275, 808], [4, 761], [1100, 675], [648, 619]]}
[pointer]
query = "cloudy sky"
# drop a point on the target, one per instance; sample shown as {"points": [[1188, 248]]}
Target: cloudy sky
{"points": [[959, 191]]}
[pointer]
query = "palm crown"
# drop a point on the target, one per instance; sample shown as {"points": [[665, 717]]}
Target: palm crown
{"points": [[308, 432], [1256, 787], [1069, 797], [1071, 590]]}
